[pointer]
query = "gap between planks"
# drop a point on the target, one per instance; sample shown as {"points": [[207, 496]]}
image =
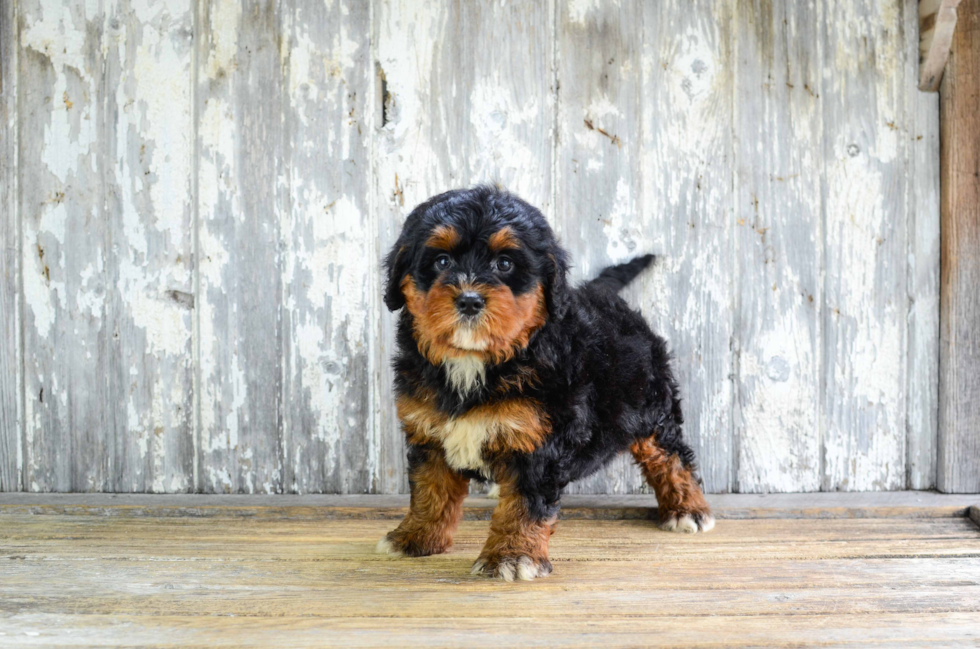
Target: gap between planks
{"points": [[896, 504]]}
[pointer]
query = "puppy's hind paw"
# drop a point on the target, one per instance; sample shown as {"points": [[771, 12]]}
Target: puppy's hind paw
{"points": [[688, 523]]}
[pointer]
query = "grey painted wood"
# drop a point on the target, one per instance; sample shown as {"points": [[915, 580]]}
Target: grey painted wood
{"points": [[213, 185], [923, 272], [148, 150], [63, 246], [865, 253], [959, 363], [778, 245], [11, 368], [329, 264], [240, 180]]}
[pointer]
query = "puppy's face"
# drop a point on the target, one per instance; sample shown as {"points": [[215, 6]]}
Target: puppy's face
{"points": [[474, 268]]}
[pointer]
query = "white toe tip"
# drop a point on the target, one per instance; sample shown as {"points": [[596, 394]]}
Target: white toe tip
{"points": [[385, 546], [506, 571], [686, 524], [526, 570], [494, 491], [477, 568]]}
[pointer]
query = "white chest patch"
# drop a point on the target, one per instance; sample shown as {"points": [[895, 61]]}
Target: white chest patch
{"points": [[463, 439], [465, 373]]}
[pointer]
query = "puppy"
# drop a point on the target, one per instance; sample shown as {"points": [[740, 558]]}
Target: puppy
{"points": [[505, 373]]}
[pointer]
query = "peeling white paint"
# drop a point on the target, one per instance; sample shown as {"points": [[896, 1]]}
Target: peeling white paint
{"points": [[659, 180]]}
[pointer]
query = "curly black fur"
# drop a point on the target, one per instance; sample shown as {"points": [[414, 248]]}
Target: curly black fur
{"points": [[601, 375]]}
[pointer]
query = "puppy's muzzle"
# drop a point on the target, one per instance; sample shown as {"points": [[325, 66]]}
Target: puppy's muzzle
{"points": [[469, 303]]}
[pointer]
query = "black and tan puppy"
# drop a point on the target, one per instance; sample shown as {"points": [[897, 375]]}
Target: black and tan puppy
{"points": [[505, 373]]}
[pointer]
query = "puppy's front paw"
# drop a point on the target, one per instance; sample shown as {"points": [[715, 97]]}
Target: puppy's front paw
{"points": [[387, 546], [688, 523], [509, 568]]}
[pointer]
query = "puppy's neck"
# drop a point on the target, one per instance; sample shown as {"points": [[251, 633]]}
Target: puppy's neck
{"points": [[465, 373]]}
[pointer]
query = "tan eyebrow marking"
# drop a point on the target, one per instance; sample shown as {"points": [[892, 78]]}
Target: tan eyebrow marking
{"points": [[504, 239], [444, 237]]}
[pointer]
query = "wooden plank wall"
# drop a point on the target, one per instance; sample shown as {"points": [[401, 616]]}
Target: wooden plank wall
{"points": [[197, 196]]}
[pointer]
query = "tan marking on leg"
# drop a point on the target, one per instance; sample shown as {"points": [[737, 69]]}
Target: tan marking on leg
{"points": [[680, 501], [434, 513], [517, 547]]}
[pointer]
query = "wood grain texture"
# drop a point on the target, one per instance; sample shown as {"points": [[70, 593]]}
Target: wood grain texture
{"points": [[148, 148], [165, 581], [865, 306], [778, 240], [923, 274], [239, 296], [11, 365], [959, 364], [329, 265]]}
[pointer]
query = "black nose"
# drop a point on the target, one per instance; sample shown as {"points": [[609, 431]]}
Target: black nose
{"points": [[469, 303]]}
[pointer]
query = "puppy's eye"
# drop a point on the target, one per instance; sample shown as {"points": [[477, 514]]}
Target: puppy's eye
{"points": [[443, 262], [505, 265]]}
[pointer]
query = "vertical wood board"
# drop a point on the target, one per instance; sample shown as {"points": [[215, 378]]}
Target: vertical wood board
{"points": [[865, 308], [959, 365], [778, 244], [329, 264], [11, 367], [239, 296], [148, 149]]}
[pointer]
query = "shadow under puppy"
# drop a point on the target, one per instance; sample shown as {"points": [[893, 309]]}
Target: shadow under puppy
{"points": [[505, 373]]}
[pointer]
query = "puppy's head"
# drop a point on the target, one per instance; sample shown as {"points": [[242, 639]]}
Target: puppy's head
{"points": [[480, 271]]}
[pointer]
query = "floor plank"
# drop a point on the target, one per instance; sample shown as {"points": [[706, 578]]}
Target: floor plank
{"points": [[84, 580]]}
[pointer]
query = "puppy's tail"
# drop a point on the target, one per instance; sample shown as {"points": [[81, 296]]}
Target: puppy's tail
{"points": [[615, 278]]}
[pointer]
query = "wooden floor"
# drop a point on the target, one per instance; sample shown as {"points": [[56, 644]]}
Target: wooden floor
{"points": [[241, 575]]}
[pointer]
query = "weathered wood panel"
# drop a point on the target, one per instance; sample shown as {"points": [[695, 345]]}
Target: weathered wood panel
{"points": [[922, 374], [148, 148], [778, 245], [865, 306], [466, 92], [11, 367], [329, 263], [202, 193], [239, 297], [63, 246], [959, 376]]}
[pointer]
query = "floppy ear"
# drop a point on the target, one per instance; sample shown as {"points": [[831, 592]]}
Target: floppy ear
{"points": [[397, 263], [556, 291]]}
